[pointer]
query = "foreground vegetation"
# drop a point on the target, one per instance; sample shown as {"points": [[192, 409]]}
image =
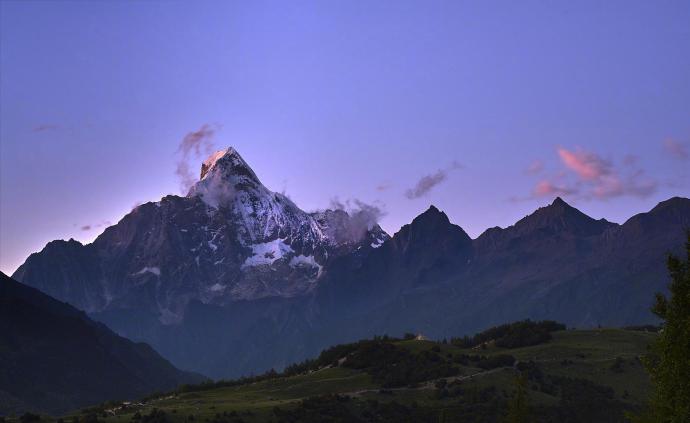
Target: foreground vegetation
{"points": [[566, 376], [669, 359]]}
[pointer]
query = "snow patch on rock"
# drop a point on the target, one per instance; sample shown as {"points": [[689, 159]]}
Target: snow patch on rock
{"points": [[377, 243], [267, 252], [216, 287], [155, 270]]}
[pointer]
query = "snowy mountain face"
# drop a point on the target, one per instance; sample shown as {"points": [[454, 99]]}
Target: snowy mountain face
{"points": [[229, 239]]}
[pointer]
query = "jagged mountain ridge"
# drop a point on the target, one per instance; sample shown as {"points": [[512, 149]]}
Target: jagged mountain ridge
{"points": [[556, 263], [230, 238]]}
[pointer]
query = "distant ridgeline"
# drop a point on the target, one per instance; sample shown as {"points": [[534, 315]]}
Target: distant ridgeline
{"points": [[569, 376], [234, 279]]}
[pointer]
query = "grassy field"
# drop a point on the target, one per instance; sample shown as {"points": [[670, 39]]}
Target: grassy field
{"points": [[253, 401], [608, 357]]}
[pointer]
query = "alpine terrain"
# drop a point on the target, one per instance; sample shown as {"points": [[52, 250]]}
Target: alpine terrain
{"points": [[235, 279]]}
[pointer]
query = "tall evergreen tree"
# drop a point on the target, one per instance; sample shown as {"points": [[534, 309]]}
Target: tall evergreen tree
{"points": [[669, 361]]}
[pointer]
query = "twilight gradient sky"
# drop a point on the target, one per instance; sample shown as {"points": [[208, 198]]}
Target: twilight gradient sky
{"points": [[487, 109]]}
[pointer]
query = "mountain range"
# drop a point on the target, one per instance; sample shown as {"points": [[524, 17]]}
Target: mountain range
{"points": [[53, 358], [233, 278]]}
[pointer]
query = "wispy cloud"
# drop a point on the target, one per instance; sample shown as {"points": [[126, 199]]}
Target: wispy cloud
{"points": [[194, 144], [44, 127], [535, 167], [588, 166], [630, 160], [198, 141], [676, 149], [546, 188], [427, 182], [100, 224], [385, 186]]}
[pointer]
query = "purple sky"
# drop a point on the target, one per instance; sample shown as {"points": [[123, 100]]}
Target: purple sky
{"points": [[486, 109]]}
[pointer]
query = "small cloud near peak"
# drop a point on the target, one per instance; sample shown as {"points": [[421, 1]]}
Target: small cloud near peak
{"points": [[546, 188], [587, 175], [588, 166], [194, 144], [427, 182]]}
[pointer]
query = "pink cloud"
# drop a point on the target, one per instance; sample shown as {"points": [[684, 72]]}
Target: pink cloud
{"points": [[545, 188], [587, 165], [676, 149], [589, 176]]}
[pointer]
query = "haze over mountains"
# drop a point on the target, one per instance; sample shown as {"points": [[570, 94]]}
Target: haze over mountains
{"points": [[234, 278]]}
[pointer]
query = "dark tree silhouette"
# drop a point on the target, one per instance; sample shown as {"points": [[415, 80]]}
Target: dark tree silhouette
{"points": [[669, 360]]}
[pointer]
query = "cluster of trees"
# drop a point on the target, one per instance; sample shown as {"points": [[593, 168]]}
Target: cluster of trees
{"points": [[224, 383], [29, 418], [581, 400], [512, 335], [484, 362], [394, 366], [227, 417], [336, 408], [331, 356], [154, 416]]}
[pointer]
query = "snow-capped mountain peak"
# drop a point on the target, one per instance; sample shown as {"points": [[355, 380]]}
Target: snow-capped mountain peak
{"points": [[223, 175], [229, 239], [230, 164]]}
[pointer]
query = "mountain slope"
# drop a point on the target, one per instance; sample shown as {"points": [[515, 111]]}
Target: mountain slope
{"points": [[53, 358]]}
